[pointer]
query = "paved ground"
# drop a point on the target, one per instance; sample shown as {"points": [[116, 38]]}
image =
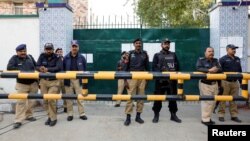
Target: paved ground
{"points": [[105, 123]]}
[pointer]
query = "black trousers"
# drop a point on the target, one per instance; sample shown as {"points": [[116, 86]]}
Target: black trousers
{"points": [[163, 87]]}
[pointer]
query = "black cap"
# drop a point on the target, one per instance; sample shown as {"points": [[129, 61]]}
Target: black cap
{"points": [[21, 47], [231, 46], [137, 39], [166, 41], [74, 43], [48, 46]]}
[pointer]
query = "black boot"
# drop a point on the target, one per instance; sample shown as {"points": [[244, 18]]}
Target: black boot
{"points": [[65, 110], [156, 117], [48, 121], [174, 117], [138, 118], [128, 120]]}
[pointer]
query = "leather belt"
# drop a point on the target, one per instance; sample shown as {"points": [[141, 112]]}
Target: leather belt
{"points": [[231, 80], [208, 82]]}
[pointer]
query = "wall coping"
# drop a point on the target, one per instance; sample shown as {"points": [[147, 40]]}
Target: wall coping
{"points": [[55, 5], [236, 4]]}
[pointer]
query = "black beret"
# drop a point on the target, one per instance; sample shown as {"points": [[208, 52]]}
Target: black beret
{"points": [[21, 47]]}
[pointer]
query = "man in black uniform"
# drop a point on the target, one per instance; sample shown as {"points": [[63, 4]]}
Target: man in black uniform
{"points": [[49, 62], [23, 62], [230, 63], [138, 61], [165, 60], [208, 64]]}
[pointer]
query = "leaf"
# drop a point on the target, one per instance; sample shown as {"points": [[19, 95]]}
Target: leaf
{"points": [[174, 13]]}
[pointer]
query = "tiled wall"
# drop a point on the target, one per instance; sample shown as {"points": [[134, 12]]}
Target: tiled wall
{"points": [[227, 22], [214, 31], [56, 27]]}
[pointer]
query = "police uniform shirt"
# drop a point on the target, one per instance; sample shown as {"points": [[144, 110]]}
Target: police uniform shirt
{"points": [[138, 61], [53, 63], [203, 65], [73, 65], [165, 61], [121, 64], [26, 64], [230, 64]]}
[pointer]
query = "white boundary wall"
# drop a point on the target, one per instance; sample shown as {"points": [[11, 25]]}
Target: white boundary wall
{"points": [[15, 31]]}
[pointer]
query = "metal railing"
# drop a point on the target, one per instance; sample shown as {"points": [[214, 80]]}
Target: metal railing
{"points": [[112, 22]]}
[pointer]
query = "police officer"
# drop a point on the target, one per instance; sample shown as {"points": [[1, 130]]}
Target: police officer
{"points": [[230, 63], [59, 53], [74, 61], [138, 61], [49, 62], [165, 60], [208, 64], [23, 62], [122, 83]]}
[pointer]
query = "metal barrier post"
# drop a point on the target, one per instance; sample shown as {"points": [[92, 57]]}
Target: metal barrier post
{"points": [[84, 86], [180, 87], [244, 88]]}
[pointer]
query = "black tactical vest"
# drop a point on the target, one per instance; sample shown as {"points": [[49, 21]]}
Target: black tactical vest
{"points": [[166, 61]]}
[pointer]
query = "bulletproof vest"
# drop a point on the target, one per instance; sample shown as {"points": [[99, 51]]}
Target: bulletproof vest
{"points": [[167, 61]]}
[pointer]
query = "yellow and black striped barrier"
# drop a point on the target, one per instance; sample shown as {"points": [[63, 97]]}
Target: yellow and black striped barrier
{"points": [[180, 87], [244, 89], [110, 75], [110, 97], [84, 86]]}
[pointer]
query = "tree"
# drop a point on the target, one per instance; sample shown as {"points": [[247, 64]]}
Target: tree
{"points": [[174, 13]]}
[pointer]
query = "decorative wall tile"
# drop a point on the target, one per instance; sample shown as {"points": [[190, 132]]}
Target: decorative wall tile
{"points": [[214, 31], [226, 22], [56, 27]]}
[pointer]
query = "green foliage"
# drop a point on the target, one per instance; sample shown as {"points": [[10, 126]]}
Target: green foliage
{"points": [[174, 13]]}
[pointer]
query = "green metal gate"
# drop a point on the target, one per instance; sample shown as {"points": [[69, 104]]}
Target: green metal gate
{"points": [[105, 45]]}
